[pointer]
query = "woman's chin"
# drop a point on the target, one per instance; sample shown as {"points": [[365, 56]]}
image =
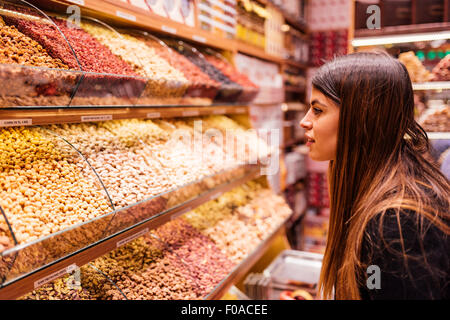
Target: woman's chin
{"points": [[317, 157]]}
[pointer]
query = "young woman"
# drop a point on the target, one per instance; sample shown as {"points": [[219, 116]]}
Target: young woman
{"points": [[389, 228]]}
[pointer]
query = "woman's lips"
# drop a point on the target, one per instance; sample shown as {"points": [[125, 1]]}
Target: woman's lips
{"points": [[309, 141]]}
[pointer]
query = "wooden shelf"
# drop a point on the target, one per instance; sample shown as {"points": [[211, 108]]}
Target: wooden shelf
{"points": [[124, 15], [438, 135], [255, 51], [21, 286], [120, 14], [296, 24], [289, 19], [438, 85], [294, 89], [244, 267], [403, 30], [42, 116], [296, 64]]}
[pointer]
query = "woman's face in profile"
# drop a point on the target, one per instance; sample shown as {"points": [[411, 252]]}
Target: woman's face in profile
{"points": [[321, 125]]}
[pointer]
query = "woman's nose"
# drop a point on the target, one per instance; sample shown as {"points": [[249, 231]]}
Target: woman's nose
{"points": [[305, 123]]}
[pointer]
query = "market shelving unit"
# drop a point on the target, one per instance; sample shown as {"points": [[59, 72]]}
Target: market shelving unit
{"points": [[414, 36], [417, 33], [148, 214]]}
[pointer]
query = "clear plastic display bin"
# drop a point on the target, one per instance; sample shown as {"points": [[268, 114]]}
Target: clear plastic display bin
{"points": [[291, 271]]}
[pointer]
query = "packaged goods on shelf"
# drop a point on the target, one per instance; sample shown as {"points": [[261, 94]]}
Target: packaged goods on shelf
{"points": [[417, 72], [315, 231], [325, 45], [141, 4], [187, 9], [295, 166], [264, 74], [274, 34], [296, 47], [157, 6], [250, 23], [441, 72], [293, 77], [217, 16]]}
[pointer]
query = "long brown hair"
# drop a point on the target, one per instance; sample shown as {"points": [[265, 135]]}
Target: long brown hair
{"points": [[380, 161]]}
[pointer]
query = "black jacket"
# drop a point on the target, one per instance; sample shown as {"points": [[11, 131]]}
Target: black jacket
{"points": [[423, 273]]}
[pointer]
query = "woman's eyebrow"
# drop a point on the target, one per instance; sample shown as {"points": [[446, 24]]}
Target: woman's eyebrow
{"points": [[315, 101]]}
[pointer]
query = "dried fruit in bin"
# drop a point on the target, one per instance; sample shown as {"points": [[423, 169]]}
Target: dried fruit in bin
{"points": [[28, 86], [91, 56], [250, 90], [441, 72], [229, 90], [200, 84], [417, 71], [40, 178], [164, 81]]}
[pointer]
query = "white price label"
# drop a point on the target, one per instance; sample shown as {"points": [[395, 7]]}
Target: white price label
{"points": [[241, 110], [16, 122], [219, 111], [183, 211], [126, 16], [96, 118], [191, 113], [215, 196], [79, 2], [153, 115], [54, 275], [131, 238], [169, 29], [199, 38]]}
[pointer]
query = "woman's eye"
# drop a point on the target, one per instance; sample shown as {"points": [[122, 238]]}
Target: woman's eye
{"points": [[317, 111]]}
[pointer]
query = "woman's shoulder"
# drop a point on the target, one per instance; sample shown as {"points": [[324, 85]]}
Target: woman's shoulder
{"points": [[414, 228], [412, 252]]}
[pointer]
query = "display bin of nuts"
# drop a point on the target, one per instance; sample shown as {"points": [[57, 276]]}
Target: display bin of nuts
{"points": [[118, 81], [48, 191], [229, 90], [186, 258], [106, 79], [163, 81], [30, 75], [201, 88], [249, 89], [28, 86]]}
